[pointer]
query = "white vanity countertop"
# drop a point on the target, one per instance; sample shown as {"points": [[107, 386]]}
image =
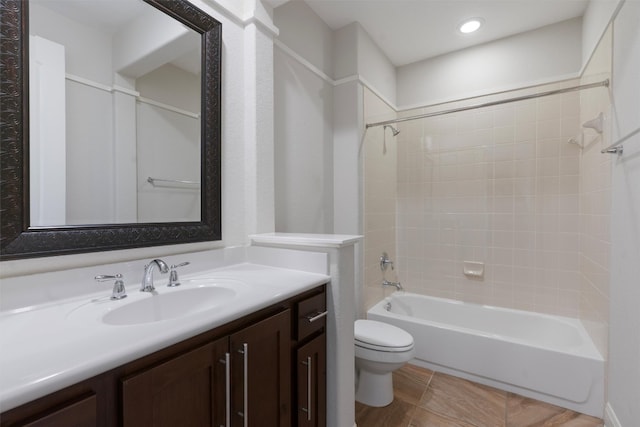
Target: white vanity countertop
{"points": [[51, 346]]}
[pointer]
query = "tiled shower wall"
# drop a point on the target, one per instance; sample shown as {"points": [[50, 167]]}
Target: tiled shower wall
{"points": [[503, 186], [497, 185]]}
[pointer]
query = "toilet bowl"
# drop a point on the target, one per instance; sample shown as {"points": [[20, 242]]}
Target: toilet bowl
{"points": [[380, 349]]}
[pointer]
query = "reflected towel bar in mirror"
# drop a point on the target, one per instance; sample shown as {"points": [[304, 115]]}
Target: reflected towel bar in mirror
{"points": [[158, 182]]}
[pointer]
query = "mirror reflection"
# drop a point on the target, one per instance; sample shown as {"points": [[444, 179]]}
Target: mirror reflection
{"points": [[115, 105]]}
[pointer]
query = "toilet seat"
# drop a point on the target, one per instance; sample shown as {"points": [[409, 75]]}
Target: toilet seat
{"points": [[379, 336]]}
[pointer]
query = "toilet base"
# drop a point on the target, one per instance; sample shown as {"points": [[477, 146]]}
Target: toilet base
{"points": [[375, 389]]}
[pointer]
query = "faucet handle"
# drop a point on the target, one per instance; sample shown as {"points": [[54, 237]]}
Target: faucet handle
{"points": [[119, 291], [173, 274], [385, 262]]}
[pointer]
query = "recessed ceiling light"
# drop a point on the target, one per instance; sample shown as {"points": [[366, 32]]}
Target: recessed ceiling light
{"points": [[470, 25]]}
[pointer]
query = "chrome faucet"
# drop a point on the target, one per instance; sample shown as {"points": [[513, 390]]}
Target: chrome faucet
{"points": [[396, 285], [147, 278], [385, 262]]}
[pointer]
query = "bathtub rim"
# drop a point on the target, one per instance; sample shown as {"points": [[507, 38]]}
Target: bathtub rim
{"points": [[587, 349], [592, 403]]}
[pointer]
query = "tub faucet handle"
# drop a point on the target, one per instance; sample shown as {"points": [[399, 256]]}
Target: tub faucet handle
{"points": [[385, 262]]}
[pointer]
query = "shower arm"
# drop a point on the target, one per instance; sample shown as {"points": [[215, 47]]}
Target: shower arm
{"points": [[394, 131]]}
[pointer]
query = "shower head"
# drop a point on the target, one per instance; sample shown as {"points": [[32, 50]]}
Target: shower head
{"points": [[595, 124], [394, 130]]}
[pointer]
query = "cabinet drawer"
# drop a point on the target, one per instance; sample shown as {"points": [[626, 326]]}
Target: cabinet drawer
{"points": [[82, 413], [312, 315]]}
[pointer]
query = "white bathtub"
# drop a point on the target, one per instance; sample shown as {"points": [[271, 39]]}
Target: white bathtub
{"points": [[548, 358]]}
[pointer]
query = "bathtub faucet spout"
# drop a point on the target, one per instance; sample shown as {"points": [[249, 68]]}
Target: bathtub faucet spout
{"points": [[396, 285]]}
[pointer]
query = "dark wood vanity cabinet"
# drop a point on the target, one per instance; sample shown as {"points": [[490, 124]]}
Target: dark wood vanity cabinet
{"points": [[179, 391], [254, 371], [81, 412], [311, 364], [311, 361], [261, 373], [244, 375]]}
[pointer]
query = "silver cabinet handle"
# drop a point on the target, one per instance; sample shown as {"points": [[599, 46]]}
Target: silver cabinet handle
{"points": [[313, 317], [227, 389], [309, 369], [227, 378], [245, 410]]}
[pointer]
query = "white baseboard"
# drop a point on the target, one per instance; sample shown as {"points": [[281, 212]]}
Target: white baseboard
{"points": [[610, 418]]}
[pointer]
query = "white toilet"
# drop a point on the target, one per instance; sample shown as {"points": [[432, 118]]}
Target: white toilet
{"points": [[380, 349]]}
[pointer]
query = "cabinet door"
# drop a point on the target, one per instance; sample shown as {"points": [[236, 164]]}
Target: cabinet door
{"points": [[311, 364], [81, 413], [178, 392], [261, 373]]}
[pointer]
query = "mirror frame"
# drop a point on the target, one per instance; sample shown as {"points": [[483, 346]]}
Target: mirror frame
{"points": [[17, 239]]}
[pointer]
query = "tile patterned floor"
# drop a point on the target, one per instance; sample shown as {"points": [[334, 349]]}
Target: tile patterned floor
{"points": [[424, 398]]}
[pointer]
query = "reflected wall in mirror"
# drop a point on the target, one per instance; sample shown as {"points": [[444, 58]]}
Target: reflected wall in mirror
{"points": [[110, 125], [114, 100]]}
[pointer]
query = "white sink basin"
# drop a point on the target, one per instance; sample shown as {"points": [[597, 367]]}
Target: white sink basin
{"points": [[194, 296], [169, 305]]}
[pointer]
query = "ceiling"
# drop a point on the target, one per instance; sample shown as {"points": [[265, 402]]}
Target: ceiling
{"points": [[111, 16], [412, 30], [108, 16]]}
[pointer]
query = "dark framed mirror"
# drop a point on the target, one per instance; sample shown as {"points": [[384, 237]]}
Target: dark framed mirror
{"points": [[22, 235]]}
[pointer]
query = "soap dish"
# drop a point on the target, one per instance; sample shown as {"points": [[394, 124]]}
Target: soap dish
{"points": [[473, 269]]}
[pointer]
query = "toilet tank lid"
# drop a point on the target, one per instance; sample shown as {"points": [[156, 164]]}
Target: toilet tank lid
{"points": [[381, 334]]}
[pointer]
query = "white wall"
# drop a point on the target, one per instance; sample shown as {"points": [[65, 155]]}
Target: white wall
{"points": [[543, 55], [348, 117], [624, 345], [375, 68], [90, 160], [90, 155], [178, 133], [594, 23], [302, 31], [317, 122], [303, 148], [345, 42], [47, 133], [149, 41], [88, 50], [303, 121], [358, 57]]}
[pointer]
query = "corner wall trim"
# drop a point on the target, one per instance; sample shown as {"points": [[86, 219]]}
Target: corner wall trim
{"points": [[293, 54], [268, 27], [318, 72], [610, 418], [243, 21]]}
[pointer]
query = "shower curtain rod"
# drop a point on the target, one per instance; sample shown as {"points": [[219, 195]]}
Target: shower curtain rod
{"points": [[604, 83]]}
